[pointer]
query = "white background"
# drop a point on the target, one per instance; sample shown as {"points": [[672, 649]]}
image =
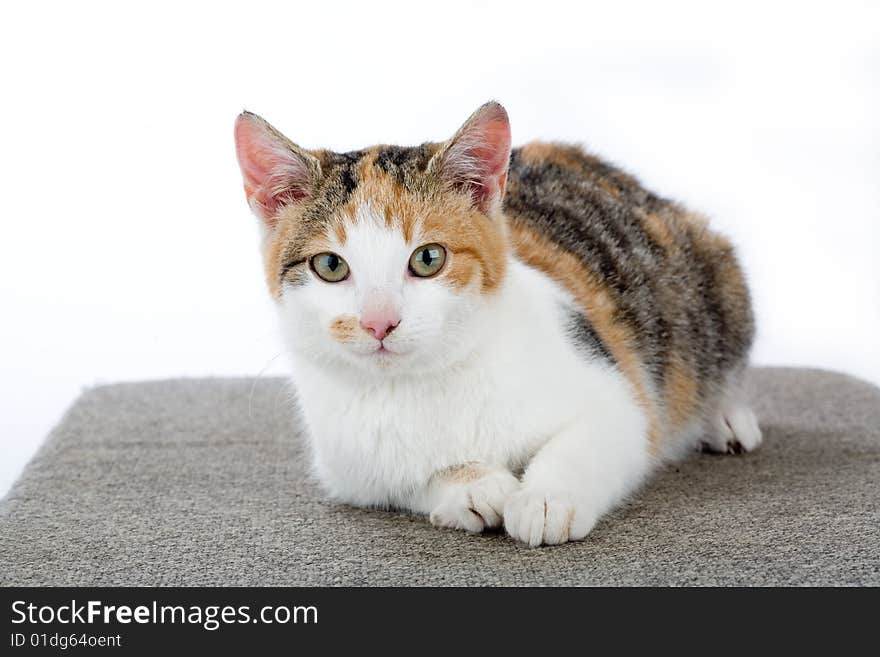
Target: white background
{"points": [[127, 251]]}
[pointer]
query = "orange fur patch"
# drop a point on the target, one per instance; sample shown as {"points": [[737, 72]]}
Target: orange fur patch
{"points": [[272, 252], [476, 243], [284, 233], [462, 474], [681, 392], [339, 231], [288, 230], [565, 155], [658, 228], [344, 328]]}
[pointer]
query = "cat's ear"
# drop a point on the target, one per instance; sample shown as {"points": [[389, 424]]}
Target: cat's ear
{"points": [[475, 160], [276, 171]]}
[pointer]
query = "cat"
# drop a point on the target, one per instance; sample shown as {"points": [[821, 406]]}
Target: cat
{"points": [[494, 337]]}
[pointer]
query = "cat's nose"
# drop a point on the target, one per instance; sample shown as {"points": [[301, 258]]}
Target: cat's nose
{"points": [[380, 326]]}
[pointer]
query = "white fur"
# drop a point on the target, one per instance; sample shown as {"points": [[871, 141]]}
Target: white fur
{"points": [[493, 379]]}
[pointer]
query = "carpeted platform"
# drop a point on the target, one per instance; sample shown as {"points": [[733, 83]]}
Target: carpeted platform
{"points": [[201, 482]]}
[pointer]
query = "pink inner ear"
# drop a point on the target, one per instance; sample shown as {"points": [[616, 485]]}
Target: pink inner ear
{"points": [[494, 146], [479, 155], [273, 175]]}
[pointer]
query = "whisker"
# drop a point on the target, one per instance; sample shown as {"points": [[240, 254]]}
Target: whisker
{"points": [[256, 379]]}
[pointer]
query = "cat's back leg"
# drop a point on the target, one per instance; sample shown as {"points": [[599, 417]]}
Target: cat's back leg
{"points": [[732, 427]]}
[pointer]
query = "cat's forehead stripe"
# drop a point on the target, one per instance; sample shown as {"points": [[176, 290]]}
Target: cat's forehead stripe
{"points": [[404, 164]]}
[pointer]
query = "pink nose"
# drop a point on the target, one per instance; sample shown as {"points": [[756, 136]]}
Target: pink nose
{"points": [[380, 326]]}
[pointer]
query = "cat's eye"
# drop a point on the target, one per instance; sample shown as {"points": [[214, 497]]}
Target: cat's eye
{"points": [[427, 260], [330, 267]]}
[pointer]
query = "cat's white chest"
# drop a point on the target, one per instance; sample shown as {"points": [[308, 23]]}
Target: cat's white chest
{"points": [[378, 446]]}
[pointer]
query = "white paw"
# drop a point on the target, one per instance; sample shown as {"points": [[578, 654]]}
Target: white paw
{"points": [[537, 517], [476, 505], [735, 431]]}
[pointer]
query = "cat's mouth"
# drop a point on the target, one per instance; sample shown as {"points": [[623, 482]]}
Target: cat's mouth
{"points": [[383, 350]]}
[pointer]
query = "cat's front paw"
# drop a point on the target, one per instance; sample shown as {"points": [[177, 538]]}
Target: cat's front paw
{"points": [[540, 517], [475, 505]]}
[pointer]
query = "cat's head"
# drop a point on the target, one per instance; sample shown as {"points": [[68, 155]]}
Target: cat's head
{"points": [[388, 258]]}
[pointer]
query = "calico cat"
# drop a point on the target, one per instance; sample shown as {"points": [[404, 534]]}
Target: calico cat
{"points": [[492, 336]]}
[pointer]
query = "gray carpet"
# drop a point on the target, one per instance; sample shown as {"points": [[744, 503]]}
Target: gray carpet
{"points": [[201, 482]]}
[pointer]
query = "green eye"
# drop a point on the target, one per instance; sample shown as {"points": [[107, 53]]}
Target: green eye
{"points": [[427, 260], [329, 267]]}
